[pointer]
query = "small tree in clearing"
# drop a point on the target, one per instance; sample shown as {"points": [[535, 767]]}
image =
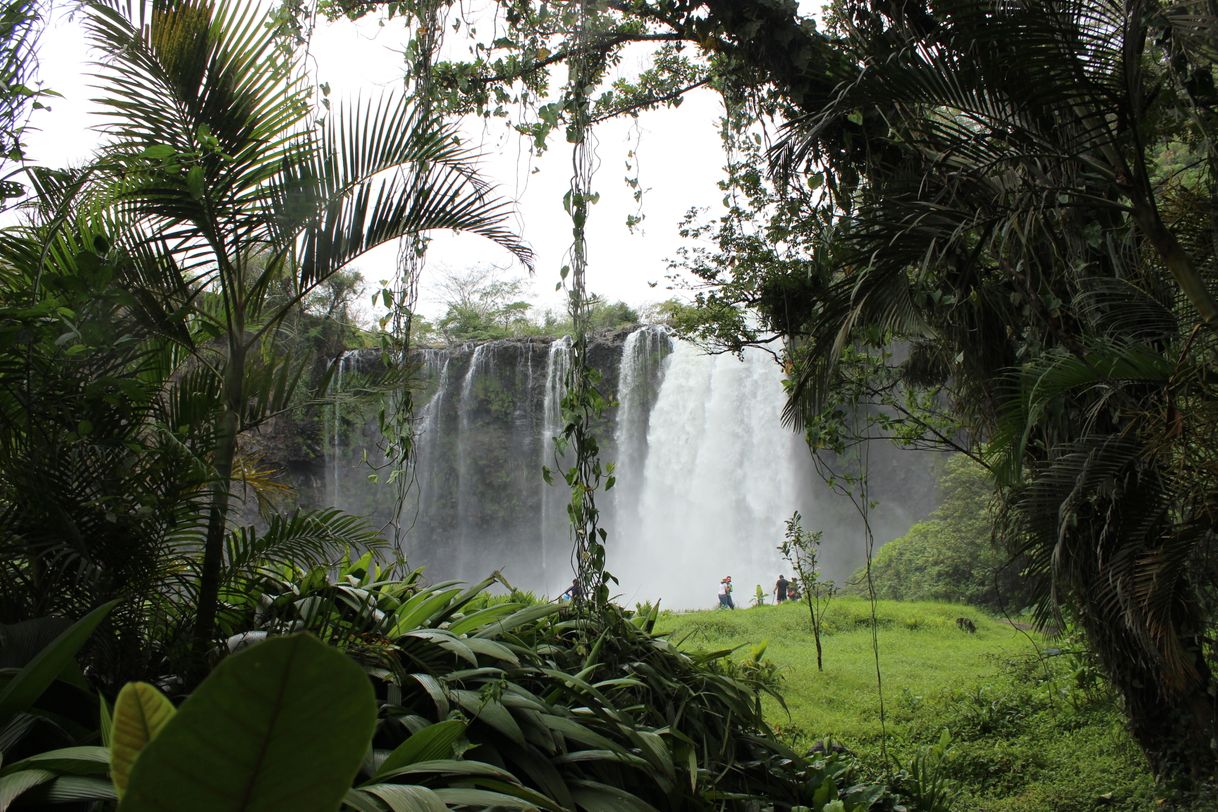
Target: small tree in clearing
{"points": [[800, 548]]}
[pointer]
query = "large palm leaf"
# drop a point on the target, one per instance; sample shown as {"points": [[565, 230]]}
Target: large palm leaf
{"points": [[214, 162]]}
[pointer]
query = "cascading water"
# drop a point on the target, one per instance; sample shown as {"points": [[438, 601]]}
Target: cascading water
{"points": [[552, 525], [639, 376], [337, 426], [706, 475], [436, 366], [720, 476], [467, 458]]}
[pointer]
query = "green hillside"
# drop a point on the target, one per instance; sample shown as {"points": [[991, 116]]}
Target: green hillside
{"points": [[1031, 726]]}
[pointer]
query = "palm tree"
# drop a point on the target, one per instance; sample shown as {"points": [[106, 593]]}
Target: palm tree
{"points": [[19, 23], [218, 184], [1003, 211]]}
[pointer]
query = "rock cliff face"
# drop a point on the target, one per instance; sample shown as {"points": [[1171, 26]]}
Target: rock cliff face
{"points": [[705, 474]]}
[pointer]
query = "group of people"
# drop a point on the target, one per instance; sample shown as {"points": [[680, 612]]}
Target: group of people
{"points": [[784, 590]]}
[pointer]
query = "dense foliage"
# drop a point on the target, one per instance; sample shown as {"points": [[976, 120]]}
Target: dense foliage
{"points": [[993, 220], [989, 227], [147, 299], [952, 556], [151, 303], [463, 701]]}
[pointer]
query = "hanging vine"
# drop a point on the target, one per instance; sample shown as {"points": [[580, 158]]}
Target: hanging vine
{"points": [[583, 402], [396, 418]]}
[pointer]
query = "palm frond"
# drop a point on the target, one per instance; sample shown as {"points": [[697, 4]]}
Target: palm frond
{"points": [[305, 538]]}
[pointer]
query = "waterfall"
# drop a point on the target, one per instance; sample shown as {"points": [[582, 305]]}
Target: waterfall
{"points": [[468, 462], [337, 425], [422, 498], [639, 375], [706, 474], [552, 531], [720, 477]]}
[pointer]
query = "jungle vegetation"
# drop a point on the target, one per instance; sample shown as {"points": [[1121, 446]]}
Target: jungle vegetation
{"points": [[994, 220], [985, 225]]}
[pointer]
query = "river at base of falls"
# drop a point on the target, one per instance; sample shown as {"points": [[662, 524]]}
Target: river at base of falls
{"points": [[706, 474]]}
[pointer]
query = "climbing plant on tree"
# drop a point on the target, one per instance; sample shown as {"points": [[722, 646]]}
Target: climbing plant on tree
{"points": [[583, 402]]}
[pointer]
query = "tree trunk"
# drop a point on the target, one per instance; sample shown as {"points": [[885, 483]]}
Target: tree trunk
{"points": [[1175, 725], [820, 665], [217, 521]]}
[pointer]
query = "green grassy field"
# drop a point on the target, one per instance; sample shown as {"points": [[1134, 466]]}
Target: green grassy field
{"points": [[1029, 731]]}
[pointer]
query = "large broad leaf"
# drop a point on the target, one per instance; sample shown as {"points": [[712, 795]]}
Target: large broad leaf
{"points": [[24, 689], [482, 799], [282, 725], [140, 713]]}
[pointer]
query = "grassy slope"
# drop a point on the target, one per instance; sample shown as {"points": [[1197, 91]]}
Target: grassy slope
{"points": [[1026, 736]]}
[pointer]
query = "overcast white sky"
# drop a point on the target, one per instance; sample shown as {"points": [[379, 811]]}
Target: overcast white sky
{"points": [[678, 150]]}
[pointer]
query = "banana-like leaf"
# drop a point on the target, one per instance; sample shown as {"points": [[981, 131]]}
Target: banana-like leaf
{"points": [[482, 799], [599, 796], [449, 766], [140, 713], [492, 712], [281, 725], [481, 618], [524, 617]]}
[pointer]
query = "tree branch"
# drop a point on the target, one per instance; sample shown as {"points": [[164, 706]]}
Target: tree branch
{"points": [[643, 103]]}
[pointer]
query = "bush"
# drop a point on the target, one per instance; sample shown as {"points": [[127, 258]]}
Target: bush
{"points": [[952, 556]]}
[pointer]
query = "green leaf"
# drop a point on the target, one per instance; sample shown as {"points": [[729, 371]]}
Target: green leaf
{"points": [[420, 609], [83, 760], [402, 798], [140, 713], [23, 690], [159, 152], [431, 743], [450, 766], [482, 799], [12, 786], [282, 725], [595, 795], [67, 789], [194, 182]]}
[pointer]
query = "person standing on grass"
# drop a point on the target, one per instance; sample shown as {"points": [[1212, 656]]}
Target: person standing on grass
{"points": [[725, 593], [780, 589]]}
